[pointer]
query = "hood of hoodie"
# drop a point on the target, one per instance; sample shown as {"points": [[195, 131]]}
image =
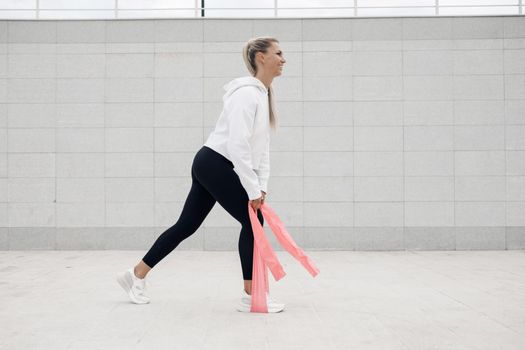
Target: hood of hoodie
{"points": [[237, 83]]}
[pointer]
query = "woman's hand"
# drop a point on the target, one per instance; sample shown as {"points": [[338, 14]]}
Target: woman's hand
{"points": [[256, 203]]}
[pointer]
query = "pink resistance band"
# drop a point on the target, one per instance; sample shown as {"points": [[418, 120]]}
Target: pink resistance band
{"points": [[264, 257]]}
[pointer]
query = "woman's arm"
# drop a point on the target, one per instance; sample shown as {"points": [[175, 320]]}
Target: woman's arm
{"points": [[242, 107], [264, 170]]}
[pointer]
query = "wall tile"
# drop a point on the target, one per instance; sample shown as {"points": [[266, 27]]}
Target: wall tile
{"points": [[428, 113], [326, 113], [515, 215], [79, 115], [81, 66], [81, 31], [130, 31], [480, 214], [332, 29], [479, 163], [430, 238], [514, 111], [435, 62], [378, 189], [514, 86], [127, 214], [378, 138], [80, 165], [484, 138], [128, 164], [178, 139], [479, 112], [29, 238], [33, 91], [31, 165], [179, 65], [478, 87], [129, 189], [378, 163], [132, 90], [374, 238], [477, 28], [430, 88], [377, 29], [478, 62], [378, 214], [32, 31], [80, 140], [377, 88], [428, 138], [429, 214], [376, 63], [327, 88], [328, 139], [32, 215], [515, 162], [328, 189], [30, 115], [30, 140], [131, 65], [429, 188], [180, 30], [515, 238], [473, 188], [326, 64], [122, 115], [81, 90], [32, 66], [328, 164], [283, 29], [480, 238], [129, 139], [328, 214], [218, 30], [515, 188], [427, 28], [514, 137], [378, 113]]}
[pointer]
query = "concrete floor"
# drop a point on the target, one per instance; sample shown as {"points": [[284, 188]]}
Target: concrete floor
{"points": [[360, 300]]}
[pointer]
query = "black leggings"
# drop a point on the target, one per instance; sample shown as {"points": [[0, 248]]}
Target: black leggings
{"points": [[213, 180]]}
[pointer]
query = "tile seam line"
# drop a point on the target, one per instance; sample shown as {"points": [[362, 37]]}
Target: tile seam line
{"points": [[505, 139], [403, 129], [7, 140], [105, 123], [55, 205]]}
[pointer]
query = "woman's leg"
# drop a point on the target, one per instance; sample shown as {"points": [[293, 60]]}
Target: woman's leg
{"points": [[246, 252], [197, 206], [219, 178]]}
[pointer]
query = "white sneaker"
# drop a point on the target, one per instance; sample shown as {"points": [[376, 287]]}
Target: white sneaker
{"points": [[134, 287], [246, 304]]}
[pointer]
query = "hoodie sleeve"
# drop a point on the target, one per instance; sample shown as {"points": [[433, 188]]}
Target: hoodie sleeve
{"points": [[241, 112], [264, 169]]}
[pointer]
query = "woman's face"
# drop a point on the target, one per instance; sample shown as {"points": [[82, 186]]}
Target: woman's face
{"points": [[273, 60]]}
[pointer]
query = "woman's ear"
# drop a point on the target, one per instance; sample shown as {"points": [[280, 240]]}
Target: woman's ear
{"points": [[259, 57]]}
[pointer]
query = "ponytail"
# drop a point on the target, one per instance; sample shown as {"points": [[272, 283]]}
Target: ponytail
{"points": [[251, 48]]}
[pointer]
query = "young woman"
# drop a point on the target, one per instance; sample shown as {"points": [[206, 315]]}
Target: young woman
{"points": [[231, 168]]}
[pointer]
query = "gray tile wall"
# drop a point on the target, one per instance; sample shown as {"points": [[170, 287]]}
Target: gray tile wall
{"points": [[396, 133]]}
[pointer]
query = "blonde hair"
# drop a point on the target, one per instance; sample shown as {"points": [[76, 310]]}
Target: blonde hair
{"points": [[260, 44]]}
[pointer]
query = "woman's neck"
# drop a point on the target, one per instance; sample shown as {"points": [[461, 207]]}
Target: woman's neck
{"points": [[265, 79]]}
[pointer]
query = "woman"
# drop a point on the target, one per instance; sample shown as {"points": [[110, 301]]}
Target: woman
{"points": [[231, 168]]}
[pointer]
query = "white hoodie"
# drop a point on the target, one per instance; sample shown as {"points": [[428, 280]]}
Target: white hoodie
{"points": [[242, 133]]}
